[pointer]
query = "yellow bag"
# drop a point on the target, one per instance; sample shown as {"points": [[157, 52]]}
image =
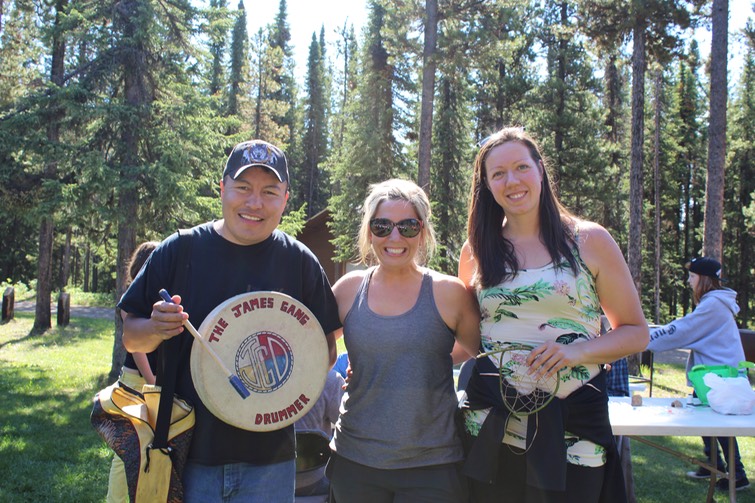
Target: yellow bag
{"points": [[126, 420]]}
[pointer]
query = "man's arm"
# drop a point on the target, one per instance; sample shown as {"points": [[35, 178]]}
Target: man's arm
{"points": [[165, 321]]}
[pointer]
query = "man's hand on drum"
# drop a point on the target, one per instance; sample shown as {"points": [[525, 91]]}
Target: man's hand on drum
{"points": [[167, 318]]}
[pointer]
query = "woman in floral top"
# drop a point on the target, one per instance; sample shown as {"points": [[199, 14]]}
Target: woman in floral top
{"points": [[542, 277]]}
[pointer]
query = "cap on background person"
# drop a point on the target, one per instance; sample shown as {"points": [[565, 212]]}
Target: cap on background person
{"points": [[256, 153], [705, 266]]}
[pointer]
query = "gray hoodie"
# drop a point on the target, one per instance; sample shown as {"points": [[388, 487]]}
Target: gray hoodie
{"points": [[709, 331]]}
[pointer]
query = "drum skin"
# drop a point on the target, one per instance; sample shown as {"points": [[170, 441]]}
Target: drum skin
{"points": [[278, 349]]}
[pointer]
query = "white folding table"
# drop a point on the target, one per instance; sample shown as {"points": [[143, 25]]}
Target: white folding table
{"points": [[656, 418]]}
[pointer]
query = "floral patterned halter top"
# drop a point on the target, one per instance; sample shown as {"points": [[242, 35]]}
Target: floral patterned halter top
{"points": [[539, 305], [544, 304]]}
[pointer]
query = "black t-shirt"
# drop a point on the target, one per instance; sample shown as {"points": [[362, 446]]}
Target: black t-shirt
{"points": [[219, 270]]}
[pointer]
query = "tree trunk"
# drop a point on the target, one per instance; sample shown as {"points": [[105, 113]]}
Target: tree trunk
{"points": [[428, 94], [687, 241], [137, 98], [87, 268], [634, 251], [95, 272], [558, 136], [613, 97], [65, 266], [126, 247], [657, 196], [714, 186], [42, 318]]}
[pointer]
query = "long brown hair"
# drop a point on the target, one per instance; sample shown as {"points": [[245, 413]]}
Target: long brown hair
{"points": [[496, 260], [139, 257], [704, 285]]}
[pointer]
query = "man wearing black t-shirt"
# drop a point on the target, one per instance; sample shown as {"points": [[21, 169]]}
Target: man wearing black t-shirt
{"points": [[242, 252]]}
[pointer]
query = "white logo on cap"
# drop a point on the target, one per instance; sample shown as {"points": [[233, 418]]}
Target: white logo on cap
{"points": [[259, 153]]}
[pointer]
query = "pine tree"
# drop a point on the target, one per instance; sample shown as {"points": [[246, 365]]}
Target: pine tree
{"points": [[652, 25], [658, 109], [345, 81], [285, 91], [17, 50], [53, 116], [19, 183], [663, 189], [159, 146], [452, 140], [312, 184], [429, 65], [238, 91], [327, 80], [502, 49], [451, 169], [569, 115], [370, 153], [264, 63], [688, 166], [615, 137], [218, 19], [401, 43], [739, 231]]}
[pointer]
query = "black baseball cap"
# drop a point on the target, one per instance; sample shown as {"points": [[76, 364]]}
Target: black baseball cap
{"points": [[705, 266], [256, 153]]}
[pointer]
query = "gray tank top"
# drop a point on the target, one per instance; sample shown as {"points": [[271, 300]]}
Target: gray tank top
{"points": [[398, 409]]}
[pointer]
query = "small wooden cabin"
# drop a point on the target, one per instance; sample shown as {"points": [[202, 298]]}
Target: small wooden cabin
{"points": [[317, 236]]}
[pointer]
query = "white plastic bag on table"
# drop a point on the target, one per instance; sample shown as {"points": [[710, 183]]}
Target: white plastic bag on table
{"points": [[729, 395]]}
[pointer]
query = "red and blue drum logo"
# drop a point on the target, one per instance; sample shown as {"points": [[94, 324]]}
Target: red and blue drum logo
{"points": [[264, 362]]}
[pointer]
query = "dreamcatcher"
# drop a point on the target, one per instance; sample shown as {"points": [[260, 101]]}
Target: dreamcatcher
{"points": [[522, 394]]}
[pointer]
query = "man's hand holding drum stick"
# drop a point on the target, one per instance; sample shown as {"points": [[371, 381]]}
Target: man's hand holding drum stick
{"points": [[232, 378]]}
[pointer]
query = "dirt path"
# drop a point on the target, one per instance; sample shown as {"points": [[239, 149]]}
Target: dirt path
{"points": [[82, 311]]}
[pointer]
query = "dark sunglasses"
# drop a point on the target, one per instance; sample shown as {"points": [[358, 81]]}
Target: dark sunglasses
{"points": [[382, 227]]}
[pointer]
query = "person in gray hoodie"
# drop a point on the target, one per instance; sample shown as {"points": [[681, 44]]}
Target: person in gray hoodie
{"points": [[711, 334]]}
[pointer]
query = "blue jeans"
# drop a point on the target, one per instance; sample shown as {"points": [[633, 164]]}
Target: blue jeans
{"points": [[239, 482], [739, 468]]}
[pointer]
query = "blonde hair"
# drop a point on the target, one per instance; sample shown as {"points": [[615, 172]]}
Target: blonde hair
{"points": [[397, 190]]}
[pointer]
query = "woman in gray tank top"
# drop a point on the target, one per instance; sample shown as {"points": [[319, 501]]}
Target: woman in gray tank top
{"points": [[396, 439]]}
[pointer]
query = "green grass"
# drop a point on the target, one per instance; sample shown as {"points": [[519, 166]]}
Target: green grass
{"points": [[21, 291], [89, 299], [48, 450], [340, 346], [50, 453]]}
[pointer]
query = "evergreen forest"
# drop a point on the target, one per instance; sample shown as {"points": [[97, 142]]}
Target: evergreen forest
{"points": [[116, 117]]}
